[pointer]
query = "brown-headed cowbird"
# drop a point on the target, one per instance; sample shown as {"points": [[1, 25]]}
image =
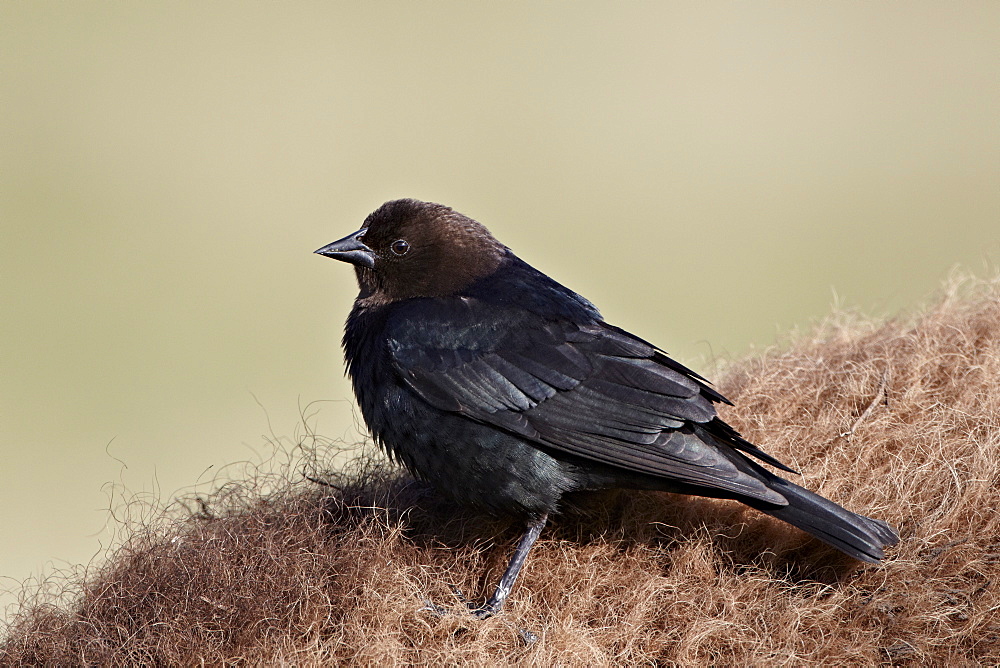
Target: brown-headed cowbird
{"points": [[505, 390]]}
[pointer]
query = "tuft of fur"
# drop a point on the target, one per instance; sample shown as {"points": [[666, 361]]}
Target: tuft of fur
{"points": [[899, 420]]}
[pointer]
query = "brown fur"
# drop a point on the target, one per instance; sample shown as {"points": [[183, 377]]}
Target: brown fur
{"points": [[899, 420]]}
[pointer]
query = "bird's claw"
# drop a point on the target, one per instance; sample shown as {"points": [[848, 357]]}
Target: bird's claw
{"points": [[431, 607], [482, 612], [440, 611], [527, 637]]}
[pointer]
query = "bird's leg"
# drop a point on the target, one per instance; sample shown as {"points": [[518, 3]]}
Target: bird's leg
{"points": [[492, 606]]}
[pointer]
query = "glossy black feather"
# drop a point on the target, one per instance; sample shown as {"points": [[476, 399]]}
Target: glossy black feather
{"points": [[506, 389], [575, 386]]}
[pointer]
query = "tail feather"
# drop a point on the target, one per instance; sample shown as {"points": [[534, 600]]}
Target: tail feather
{"points": [[856, 535]]}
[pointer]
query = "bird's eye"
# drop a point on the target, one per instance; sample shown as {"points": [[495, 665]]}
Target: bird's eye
{"points": [[399, 247]]}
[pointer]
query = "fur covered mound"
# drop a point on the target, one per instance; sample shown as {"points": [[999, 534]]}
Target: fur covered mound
{"points": [[897, 420]]}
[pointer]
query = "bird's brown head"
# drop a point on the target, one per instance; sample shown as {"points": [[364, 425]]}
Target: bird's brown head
{"points": [[408, 248]]}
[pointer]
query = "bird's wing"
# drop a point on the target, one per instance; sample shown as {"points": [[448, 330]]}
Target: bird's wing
{"points": [[587, 389]]}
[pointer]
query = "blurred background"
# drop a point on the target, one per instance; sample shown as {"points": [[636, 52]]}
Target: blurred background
{"points": [[709, 174]]}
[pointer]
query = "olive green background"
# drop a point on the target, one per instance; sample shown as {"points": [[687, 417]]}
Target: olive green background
{"points": [[709, 174]]}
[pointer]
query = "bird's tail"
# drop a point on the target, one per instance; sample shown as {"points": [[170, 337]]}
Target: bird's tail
{"points": [[859, 536]]}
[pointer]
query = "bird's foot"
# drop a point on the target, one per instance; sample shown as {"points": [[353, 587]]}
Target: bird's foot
{"points": [[433, 608], [441, 611], [480, 612]]}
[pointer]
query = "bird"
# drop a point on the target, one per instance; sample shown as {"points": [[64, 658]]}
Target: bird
{"points": [[505, 390]]}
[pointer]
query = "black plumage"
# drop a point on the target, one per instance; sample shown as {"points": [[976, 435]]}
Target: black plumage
{"points": [[505, 389]]}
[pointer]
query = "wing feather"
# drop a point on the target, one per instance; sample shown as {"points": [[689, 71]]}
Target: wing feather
{"points": [[590, 390]]}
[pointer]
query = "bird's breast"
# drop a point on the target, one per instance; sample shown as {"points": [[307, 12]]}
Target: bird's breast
{"points": [[473, 463]]}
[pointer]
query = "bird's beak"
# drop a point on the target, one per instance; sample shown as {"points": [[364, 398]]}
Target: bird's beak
{"points": [[351, 249]]}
